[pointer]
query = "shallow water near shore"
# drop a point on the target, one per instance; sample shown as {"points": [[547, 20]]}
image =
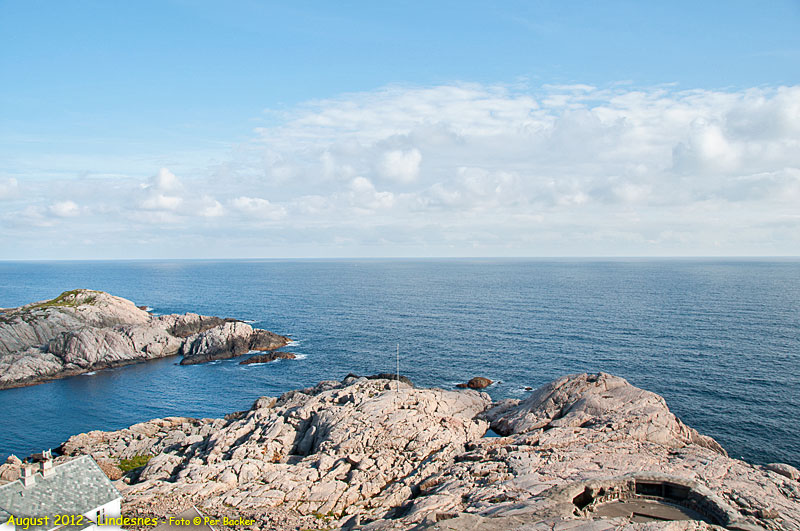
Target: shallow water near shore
{"points": [[719, 339]]}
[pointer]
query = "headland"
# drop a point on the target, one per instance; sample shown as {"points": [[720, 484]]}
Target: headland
{"points": [[86, 330]]}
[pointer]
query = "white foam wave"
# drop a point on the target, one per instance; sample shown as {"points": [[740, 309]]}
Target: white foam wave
{"points": [[300, 356]]}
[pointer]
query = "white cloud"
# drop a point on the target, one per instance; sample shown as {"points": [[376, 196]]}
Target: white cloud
{"points": [[707, 149], [401, 166], [158, 201], [364, 198], [165, 181], [571, 159], [212, 208], [314, 205], [158, 193], [632, 193], [65, 209], [251, 204], [9, 188], [161, 192], [35, 216], [554, 170], [258, 207]]}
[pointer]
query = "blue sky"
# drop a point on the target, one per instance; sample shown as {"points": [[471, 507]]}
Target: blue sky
{"points": [[157, 129]]}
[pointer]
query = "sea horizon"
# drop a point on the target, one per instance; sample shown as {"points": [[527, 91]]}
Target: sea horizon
{"points": [[423, 258]]}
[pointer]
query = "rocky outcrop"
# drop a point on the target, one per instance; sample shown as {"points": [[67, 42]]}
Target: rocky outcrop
{"points": [[367, 454], [10, 470], [478, 382], [268, 357], [228, 340], [389, 376], [342, 448], [784, 470], [190, 324], [597, 401], [85, 330]]}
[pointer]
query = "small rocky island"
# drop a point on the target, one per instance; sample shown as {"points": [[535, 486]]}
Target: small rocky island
{"points": [[84, 330], [586, 452]]}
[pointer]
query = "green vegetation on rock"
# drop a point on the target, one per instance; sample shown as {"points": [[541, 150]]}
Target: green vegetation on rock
{"points": [[71, 299], [126, 465]]}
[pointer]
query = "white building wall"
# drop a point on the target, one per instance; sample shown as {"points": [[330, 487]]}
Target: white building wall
{"points": [[112, 509]]}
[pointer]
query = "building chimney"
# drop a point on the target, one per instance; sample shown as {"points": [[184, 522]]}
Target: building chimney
{"points": [[47, 464], [28, 477]]}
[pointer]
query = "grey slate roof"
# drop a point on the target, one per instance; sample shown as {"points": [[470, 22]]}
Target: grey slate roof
{"points": [[75, 487]]}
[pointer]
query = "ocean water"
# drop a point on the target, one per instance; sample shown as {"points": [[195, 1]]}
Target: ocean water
{"points": [[719, 339]]}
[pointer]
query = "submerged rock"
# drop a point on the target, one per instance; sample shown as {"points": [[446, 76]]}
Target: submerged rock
{"points": [[266, 358], [85, 330], [363, 454], [478, 382]]}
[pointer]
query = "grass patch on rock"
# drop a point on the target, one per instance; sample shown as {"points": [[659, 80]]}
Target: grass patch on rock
{"points": [[126, 465], [68, 299]]}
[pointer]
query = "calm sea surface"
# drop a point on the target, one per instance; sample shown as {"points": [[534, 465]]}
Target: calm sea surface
{"points": [[719, 339]]}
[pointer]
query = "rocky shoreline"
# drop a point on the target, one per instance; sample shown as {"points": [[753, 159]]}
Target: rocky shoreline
{"points": [[370, 454], [85, 330]]}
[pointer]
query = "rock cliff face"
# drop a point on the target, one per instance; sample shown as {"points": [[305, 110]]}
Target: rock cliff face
{"points": [[227, 340], [361, 454], [85, 330]]}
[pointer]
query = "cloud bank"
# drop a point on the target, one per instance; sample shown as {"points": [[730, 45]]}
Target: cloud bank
{"points": [[466, 170]]}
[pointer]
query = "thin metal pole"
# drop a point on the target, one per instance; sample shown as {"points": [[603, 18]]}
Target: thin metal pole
{"points": [[398, 368]]}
